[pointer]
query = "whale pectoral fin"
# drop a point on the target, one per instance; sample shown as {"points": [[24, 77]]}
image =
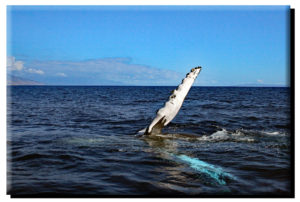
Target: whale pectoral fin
{"points": [[166, 114], [156, 126]]}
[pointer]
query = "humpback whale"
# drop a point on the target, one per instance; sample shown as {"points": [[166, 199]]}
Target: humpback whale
{"points": [[164, 116], [167, 113]]}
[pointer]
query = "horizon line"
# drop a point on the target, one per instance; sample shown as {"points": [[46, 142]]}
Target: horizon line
{"points": [[62, 85]]}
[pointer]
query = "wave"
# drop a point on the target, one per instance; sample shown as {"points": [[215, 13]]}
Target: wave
{"points": [[30, 157]]}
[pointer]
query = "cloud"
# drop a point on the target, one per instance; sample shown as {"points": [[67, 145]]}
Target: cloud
{"points": [[259, 81], [18, 66], [105, 71], [61, 74], [13, 65], [35, 71]]}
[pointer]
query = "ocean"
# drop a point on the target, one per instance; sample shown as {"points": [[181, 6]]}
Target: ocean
{"points": [[85, 141]]}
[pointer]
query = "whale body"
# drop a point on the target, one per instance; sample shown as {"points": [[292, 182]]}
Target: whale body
{"points": [[167, 113], [217, 173]]}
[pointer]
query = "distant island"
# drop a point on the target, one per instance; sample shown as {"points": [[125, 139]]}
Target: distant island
{"points": [[18, 81], [259, 85]]}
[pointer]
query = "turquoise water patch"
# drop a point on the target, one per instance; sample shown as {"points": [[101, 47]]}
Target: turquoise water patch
{"points": [[214, 172]]}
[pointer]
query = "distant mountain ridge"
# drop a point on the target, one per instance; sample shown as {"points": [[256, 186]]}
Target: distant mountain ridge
{"points": [[18, 81]]}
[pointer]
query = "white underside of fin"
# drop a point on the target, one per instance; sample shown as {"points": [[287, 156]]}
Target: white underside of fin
{"points": [[167, 113]]}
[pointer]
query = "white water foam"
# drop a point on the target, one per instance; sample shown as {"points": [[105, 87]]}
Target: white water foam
{"points": [[267, 133], [224, 135], [274, 133]]}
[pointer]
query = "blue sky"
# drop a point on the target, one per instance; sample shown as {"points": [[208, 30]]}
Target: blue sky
{"points": [[154, 45]]}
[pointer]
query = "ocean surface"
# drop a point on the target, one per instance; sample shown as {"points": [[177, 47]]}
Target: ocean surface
{"points": [[72, 140]]}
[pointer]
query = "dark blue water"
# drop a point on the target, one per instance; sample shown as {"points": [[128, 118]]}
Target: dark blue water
{"points": [[84, 141]]}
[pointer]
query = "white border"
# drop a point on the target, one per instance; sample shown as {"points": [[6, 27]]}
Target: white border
{"points": [[149, 2], [3, 4]]}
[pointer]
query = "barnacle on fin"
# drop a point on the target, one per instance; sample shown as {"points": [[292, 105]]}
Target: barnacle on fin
{"points": [[172, 96]]}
